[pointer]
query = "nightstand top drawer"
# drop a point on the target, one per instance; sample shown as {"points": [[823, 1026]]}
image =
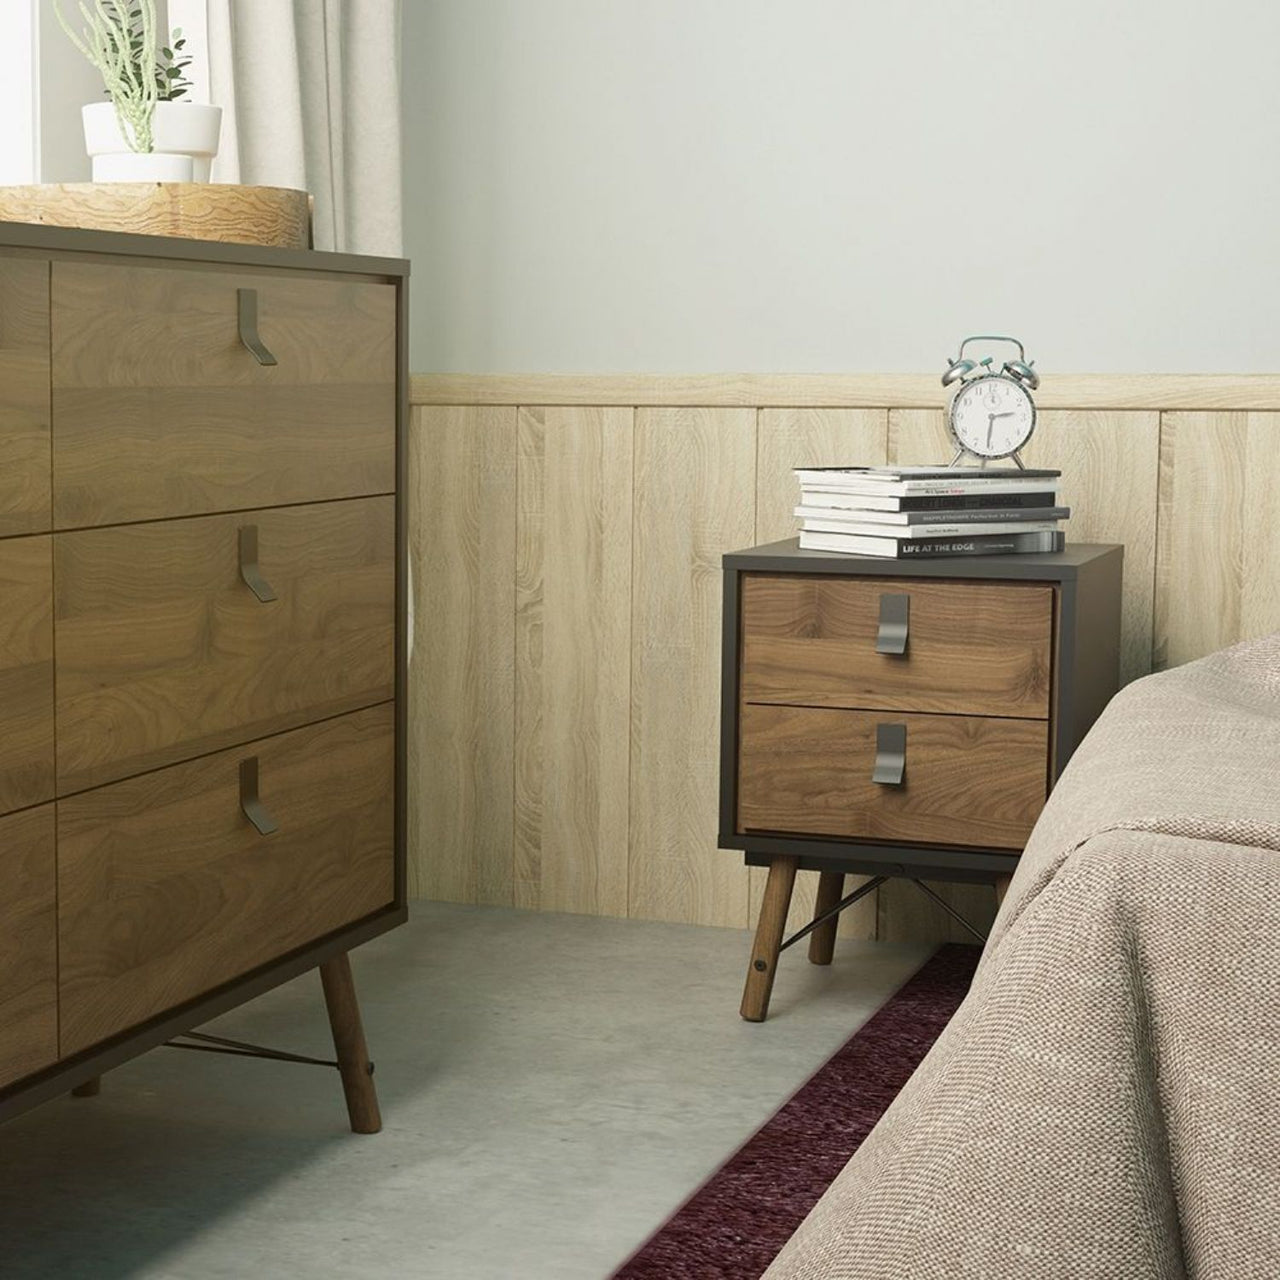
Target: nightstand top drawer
{"points": [[967, 648]]}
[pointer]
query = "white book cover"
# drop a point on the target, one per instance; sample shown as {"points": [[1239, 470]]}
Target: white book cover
{"points": [[930, 488], [906, 548]]}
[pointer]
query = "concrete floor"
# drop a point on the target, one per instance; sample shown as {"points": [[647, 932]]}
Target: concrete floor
{"points": [[552, 1087]]}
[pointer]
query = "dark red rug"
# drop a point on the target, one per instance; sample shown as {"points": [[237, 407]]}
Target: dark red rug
{"points": [[733, 1226]]}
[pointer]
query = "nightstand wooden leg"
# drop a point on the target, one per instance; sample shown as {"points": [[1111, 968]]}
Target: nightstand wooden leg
{"points": [[769, 931], [348, 1041], [822, 941], [1002, 887], [90, 1088]]}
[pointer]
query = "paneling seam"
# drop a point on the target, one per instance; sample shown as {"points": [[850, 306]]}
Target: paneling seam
{"points": [[515, 644], [631, 657], [1152, 648]]}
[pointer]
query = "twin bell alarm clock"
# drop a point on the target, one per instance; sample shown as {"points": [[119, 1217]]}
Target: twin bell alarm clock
{"points": [[991, 414]]}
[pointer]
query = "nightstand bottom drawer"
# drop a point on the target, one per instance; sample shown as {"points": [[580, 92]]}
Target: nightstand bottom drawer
{"points": [[966, 780]]}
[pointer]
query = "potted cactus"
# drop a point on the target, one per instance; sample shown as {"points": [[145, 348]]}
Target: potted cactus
{"points": [[144, 132]]}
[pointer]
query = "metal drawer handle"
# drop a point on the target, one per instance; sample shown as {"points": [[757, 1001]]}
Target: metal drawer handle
{"points": [[891, 755], [895, 614], [250, 804], [250, 574], [247, 302]]}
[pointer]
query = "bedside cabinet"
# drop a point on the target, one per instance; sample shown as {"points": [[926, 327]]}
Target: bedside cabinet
{"points": [[890, 718], [202, 646]]}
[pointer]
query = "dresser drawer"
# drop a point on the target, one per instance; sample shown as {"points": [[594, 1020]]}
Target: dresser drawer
{"points": [[166, 889], [28, 944], [166, 652], [26, 672], [159, 408], [24, 396], [968, 780], [973, 648]]}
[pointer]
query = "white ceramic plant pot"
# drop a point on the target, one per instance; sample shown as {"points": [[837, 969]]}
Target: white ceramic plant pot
{"points": [[143, 166], [181, 131]]}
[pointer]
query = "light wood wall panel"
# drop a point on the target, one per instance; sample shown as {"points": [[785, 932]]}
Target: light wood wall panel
{"points": [[790, 438], [565, 684], [1110, 463], [1219, 578], [462, 493], [695, 481], [573, 659]]}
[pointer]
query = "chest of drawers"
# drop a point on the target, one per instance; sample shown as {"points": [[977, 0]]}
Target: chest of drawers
{"points": [[202, 644], [901, 719]]}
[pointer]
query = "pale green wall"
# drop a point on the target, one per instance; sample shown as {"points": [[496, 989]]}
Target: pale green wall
{"points": [[706, 185]]}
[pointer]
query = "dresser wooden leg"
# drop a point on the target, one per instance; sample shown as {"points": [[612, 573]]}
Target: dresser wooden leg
{"points": [[348, 1041], [90, 1088], [769, 931], [822, 941], [1002, 887]]}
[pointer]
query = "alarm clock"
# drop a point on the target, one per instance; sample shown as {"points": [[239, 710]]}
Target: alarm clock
{"points": [[991, 414]]}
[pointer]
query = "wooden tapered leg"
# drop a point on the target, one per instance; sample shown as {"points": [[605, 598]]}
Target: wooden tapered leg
{"points": [[348, 1041], [1002, 887], [769, 930], [90, 1088], [822, 941]]}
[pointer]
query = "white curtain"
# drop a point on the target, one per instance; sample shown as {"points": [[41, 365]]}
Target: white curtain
{"points": [[310, 91]]}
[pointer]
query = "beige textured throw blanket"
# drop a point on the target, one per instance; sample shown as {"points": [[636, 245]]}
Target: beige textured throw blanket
{"points": [[1106, 1103]]}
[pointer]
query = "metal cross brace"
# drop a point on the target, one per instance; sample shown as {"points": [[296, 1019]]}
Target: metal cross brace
{"points": [[860, 892], [239, 1049]]}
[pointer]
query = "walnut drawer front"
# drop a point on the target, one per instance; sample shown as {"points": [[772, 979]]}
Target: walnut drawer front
{"points": [[26, 672], [160, 409], [973, 648], [968, 780], [166, 889], [28, 944], [166, 652], [24, 396]]}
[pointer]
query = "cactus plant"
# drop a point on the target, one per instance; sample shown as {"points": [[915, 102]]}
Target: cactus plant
{"points": [[119, 39]]}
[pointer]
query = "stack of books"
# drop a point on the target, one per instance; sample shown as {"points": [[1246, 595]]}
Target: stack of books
{"points": [[917, 512]]}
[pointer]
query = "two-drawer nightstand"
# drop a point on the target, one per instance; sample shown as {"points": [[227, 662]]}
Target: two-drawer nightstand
{"points": [[891, 718]]}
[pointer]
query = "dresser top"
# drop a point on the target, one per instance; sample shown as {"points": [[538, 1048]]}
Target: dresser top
{"points": [[34, 236], [786, 557]]}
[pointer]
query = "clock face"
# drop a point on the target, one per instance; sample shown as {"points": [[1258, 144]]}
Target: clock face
{"points": [[992, 416]]}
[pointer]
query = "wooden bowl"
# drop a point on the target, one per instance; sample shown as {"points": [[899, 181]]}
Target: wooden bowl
{"points": [[277, 216]]}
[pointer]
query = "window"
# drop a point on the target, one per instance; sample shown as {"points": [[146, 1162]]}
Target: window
{"points": [[19, 144]]}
